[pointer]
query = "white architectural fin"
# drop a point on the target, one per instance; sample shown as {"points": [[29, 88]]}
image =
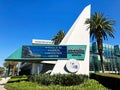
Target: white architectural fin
{"points": [[77, 35], [78, 31]]}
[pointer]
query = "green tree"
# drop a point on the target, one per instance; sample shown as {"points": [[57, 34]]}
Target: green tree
{"points": [[2, 70], [11, 65], [100, 28], [59, 37]]}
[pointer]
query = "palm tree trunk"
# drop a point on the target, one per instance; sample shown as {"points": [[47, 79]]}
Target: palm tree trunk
{"points": [[100, 51], [101, 60]]}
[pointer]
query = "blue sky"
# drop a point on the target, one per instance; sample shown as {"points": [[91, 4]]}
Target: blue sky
{"points": [[24, 20]]}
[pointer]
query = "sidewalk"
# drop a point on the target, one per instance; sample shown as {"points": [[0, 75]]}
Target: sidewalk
{"points": [[3, 82]]}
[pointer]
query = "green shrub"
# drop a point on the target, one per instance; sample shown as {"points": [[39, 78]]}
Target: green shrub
{"points": [[17, 79], [68, 79], [59, 79], [44, 79], [33, 78], [22, 76]]}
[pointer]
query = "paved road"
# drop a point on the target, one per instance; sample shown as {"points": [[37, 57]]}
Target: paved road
{"points": [[3, 82]]}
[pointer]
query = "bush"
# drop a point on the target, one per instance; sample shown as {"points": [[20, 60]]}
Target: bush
{"points": [[22, 76], [59, 79], [44, 79], [18, 79], [68, 79]]}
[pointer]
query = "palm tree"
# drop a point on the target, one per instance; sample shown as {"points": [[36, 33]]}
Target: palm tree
{"points": [[100, 28], [58, 38]]}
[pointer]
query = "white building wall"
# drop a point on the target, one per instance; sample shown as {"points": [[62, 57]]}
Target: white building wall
{"points": [[36, 68], [77, 35]]}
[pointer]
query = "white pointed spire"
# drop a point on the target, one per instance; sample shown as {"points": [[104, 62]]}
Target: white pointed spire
{"points": [[77, 35]]}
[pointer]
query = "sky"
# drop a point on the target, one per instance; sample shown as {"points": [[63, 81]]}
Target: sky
{"points": [[24, 20]]}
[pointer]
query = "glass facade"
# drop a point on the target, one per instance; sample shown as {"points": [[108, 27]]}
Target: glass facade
{"points": [[111, 57]]}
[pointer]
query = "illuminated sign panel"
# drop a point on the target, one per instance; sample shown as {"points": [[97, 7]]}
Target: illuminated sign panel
{"points": [[54, 52], [76, 51]]}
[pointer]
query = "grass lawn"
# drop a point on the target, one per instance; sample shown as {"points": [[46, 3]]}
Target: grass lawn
{"points": [[24, 85]]}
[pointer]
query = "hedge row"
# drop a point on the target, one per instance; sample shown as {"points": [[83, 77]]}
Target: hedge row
{"points": [[111, 81], [18, 79], [21, 76], [59, 79]]}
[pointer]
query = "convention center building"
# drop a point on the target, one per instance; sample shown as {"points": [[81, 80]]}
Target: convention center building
{"points": [[74, 54]]}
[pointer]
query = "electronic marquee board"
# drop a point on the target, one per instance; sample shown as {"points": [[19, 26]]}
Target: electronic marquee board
{"points": [[54, 52]]}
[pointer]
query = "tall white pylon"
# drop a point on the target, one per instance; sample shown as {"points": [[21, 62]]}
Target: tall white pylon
{"points": [[77, 35]]}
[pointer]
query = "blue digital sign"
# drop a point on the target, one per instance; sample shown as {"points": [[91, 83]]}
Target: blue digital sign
{"points": [[54, 52], [44, 52]]}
